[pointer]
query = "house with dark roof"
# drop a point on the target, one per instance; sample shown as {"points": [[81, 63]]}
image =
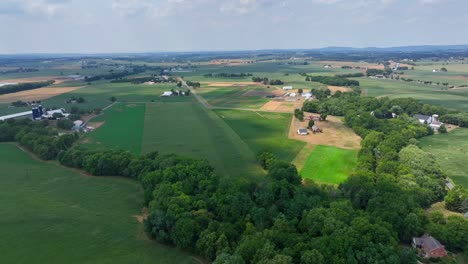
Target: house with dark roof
{"points": [[429, 247]]}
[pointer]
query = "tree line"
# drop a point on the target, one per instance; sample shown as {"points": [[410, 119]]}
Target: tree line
{"points": [[13, 88], [332, 80], [228, 75]]}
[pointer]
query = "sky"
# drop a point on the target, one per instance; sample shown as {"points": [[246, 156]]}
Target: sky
{"points": [[112, 26]]}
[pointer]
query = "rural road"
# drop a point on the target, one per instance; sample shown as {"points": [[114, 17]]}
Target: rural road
{"points": [[202, 101]]}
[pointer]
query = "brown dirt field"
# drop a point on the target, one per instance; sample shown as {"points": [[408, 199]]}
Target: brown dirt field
{"points": [[338, 64], [459, 77], [96, 125], [35, 79], [35, 94], [264, 92], [339, 88], [282, 106], [335, 133]]}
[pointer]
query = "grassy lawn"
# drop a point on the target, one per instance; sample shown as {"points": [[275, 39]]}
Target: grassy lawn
{"points": [[122, 128], [451, 151], [264, 131], [328, 164], [51, 214], [190, 130]]}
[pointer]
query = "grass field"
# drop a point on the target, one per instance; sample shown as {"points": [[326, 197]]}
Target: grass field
{"points": [[186, 128], [122, 128], [55, 215], [451, 151], [328, 164], [264, 131]]}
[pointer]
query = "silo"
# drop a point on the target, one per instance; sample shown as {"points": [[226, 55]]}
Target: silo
{"points": [[41, 112], [35, 113]]}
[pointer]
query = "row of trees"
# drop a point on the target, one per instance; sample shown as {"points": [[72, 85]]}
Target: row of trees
{"points": [[266, 81], [13, 88], [332, 80], [228, 75], [193, 84]]}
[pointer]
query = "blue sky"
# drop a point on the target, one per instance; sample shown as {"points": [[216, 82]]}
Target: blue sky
{"points": [[94, 26]]}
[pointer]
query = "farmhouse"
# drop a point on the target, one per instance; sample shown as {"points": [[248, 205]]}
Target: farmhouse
{"points": [[287, 88], [302, 131], [432, 121], [429, 247], [165, 94]]}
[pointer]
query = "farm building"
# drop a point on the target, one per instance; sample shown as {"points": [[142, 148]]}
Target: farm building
{"points": [[302, 131], [316, 129], [307, 95], [165, 94], [432, 121], [17, 115], [292, 95], [327, 66], [429, 247], [287, 88], [50, 113]]}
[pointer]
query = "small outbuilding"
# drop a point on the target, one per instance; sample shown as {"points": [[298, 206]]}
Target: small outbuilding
{"points": [[316, 129], [429, 247], [165, 94], [287, 88], [302, 131]]}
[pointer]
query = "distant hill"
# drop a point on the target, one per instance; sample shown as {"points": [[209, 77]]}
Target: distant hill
{"points": [[423, 48]]}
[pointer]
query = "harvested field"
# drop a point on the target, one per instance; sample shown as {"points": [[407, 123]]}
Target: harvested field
{"points": [[35, 79], [282, 106], [338, 64], [335, 133], [35, 94], [334, 89], [264, 93], [461, 77]]}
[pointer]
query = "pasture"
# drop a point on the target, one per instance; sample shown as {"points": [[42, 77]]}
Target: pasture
{"points": [[263, 131], [327, 164], [451, 152], [122, 128], [188, 129], [51, 214]]}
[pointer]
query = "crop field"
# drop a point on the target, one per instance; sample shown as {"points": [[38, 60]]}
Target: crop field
{"points": [[263, 131], [327, 164], [431, 94], [241, 97], [51, 214], [122, 128], [97, 96], [451, 151], [187, 129]]}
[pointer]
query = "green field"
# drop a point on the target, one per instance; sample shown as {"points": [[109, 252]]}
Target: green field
{"points": [[264, 131], [430, 94], [186, 128], [451, 151], [122, 128], [55, 215], [97, 96], [328, 164], [239, 97]]}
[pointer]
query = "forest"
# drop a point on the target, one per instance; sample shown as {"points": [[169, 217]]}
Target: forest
{"points": [[332, 80]]}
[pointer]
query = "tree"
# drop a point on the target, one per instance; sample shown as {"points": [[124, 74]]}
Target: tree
{"points": [[323, 116], [457, 200], [113, 99], [57, 115], [311, 123], [80, 100], [65, 124], [443, 69], [300, 90], [442, 129]]}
